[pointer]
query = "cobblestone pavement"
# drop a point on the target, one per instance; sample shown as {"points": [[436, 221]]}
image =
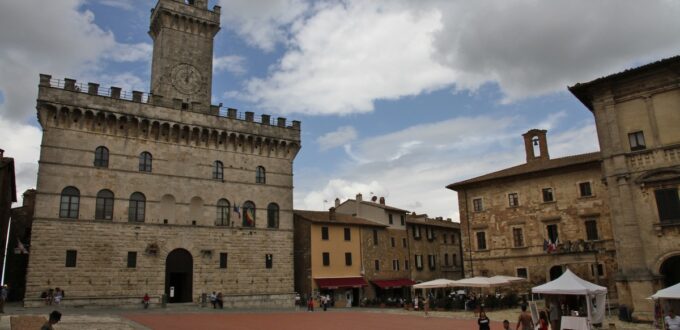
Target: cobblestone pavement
{"points": [[190, 316]]}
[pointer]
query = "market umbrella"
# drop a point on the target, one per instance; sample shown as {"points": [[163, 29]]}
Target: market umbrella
{"points": [[438, 283]]}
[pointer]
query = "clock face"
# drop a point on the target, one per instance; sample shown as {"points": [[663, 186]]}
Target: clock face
{"points": [[186, 78]]}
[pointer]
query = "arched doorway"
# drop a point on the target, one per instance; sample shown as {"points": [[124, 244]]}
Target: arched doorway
{"points": [[179, 267], [670, 269], [555, 272]]}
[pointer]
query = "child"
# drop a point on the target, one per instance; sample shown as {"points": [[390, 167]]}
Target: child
{"points": [[506, 325], [543, 321]]}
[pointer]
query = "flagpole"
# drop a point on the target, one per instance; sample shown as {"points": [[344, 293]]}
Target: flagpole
{"points": [[4, 257]]}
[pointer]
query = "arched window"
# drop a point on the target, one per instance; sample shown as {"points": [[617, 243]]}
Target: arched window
{"points": [[137, 207], [145, 162], [248, 214], [101, 157], [104, 207], [70, 203], [222, 218], [273, 216], [260, 175], [218, 170]]}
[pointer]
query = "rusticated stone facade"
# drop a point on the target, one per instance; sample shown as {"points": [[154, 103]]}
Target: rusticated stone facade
{"points": [[437, 242], [637, 119], [535, 219], [139, 195]]}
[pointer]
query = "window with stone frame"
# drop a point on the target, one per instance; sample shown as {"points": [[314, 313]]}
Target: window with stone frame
{"points": [[223, 211], [547, 195], [132, 259], [324, 233], [326, 257], [389, 218], [403, 221], [416, 232], [269, 260], [376, 264], [591, 230], [553, 234], [137, 207], [260, 175], [600, 270], [145, 160], [636, 141], [273, 215], [584, 189], [218, 170], [429, 232], [481, 240], [392, 242], [477, 205], [517, 237], [223, 260], [395, 265], [348, 234], [419, 261], [446, 259], [375, 237], [445, 238], [522, 272], [348, 258], [71, 258], [403, 242], [431, 261], [513, 199], [104, 205], [101, 157], [69, 203], [668, 204]]}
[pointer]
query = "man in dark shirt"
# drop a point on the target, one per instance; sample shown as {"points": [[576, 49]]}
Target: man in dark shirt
{"points": [[55, 317]]}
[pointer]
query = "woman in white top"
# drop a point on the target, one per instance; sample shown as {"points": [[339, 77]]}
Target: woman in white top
{"points": [[672, 321]]}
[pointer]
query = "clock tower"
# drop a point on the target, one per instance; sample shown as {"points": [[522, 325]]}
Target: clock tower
{"points": [[181, 69]]}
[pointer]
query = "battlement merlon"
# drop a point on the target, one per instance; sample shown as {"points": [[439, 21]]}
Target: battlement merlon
{"points": [[70, 94], [198, 10]]}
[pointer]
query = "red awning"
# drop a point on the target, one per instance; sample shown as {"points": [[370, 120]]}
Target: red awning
{"points": [[340, 282], [398, 283]]}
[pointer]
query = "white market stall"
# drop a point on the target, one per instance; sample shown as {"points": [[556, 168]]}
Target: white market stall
{"points": [[434, 284], [570, 284], [671, 292]]}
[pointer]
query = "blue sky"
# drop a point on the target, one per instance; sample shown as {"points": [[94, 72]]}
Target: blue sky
{"points": [[397, 98]]}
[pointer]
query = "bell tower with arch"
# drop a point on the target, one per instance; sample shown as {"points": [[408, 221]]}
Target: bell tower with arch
{"points": [[181, 69]]}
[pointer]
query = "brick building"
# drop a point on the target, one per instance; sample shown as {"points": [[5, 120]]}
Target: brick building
{"points": [[162, 193], [535, 219], [638, 119]]}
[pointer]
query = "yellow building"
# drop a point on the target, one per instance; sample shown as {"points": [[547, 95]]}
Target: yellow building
{"points": [[328, 256]]}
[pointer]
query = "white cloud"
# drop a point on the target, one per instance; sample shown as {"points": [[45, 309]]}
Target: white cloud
{"points": [[262, 23], [411, 167], [120, 4], [342, 57], [342, 136], [21, 142], [231, 63], [130, 52]]}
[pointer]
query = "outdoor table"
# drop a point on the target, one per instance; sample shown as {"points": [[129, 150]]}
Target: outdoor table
{"points": [[574, 322]]}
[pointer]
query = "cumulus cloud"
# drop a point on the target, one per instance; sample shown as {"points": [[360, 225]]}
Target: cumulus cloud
{"points": [[342, 136], [130, 52], [411, 167], [230, 63], [342, 57]]}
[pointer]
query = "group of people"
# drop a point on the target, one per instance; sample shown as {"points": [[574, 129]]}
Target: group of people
{"points": [[325, 301], [549, 317], [217, 299], [53, 296], [419, 302]]}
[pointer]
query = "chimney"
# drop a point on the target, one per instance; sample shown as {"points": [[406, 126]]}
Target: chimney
{"points": [[331, 214], [382, 200], [337, 202], [359, 198], [357, 213], [536, 145]]}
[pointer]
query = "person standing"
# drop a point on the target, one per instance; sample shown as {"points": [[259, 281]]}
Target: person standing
{"points": [[525, 320], [55, 317], [543, 321], [555, 314], [672, 321], [220, 300], [483, 321], [415, 303], [213, 299], [58, 296], [324, 302], [4, 291], [426, 304], [146, 300], [310, 304]]}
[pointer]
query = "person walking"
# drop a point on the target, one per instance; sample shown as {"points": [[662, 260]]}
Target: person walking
{"points": [[525, 320], [483, 321], [55, 317], [310, 304], [426, 305]]}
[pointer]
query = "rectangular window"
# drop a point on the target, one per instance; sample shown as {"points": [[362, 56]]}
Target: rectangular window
{"points": [[446, 259], [513, 199], [406, 264], [584, 189], [481, 240], [477, 205], [600, 270], [392, 241], [517, 237], [668, 204], [223, 260], [637, 141], [547, 195], [389, 217], [326, 258], [522, 272], [403, 222], [430, 233], [454, 239], [377, 265], [552, 233], [419, 261], [268, 260], [324, 233], [71, 256], [591, 230], [132, 259], [348, 258], [416, 232], [375, 237], [348, 234], [395, 265], [431, 262], [403, 242], [454, 259]]}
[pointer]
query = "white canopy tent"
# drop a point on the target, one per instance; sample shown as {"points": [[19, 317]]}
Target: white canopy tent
{"points": [[671, 292], [438, 283], [511, 279], [570, 284], [481, 282]]}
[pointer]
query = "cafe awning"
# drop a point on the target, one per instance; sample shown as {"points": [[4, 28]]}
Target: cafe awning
{"points": [[397, 283], [340, 282]]}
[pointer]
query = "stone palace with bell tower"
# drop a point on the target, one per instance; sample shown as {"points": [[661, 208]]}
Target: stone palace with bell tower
{"points": [[162, 192]]}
